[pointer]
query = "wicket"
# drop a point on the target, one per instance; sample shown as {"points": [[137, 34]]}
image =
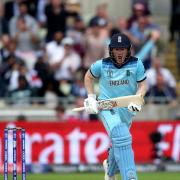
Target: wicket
{"points": [[14, 130]]}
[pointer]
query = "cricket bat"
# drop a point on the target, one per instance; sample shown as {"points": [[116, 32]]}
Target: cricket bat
{"points": [[123, 101]]}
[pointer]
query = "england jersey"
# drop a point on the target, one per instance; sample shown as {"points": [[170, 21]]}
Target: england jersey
{"points": [[115, 81]]}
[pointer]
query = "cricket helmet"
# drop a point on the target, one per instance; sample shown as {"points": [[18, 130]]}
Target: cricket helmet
{"points": [[119, 40]]}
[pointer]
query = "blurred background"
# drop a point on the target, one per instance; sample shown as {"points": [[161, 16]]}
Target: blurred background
{"points": [[46, 46]]}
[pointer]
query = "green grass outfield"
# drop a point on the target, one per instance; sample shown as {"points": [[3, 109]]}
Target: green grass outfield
{"points": [[98, 176]]}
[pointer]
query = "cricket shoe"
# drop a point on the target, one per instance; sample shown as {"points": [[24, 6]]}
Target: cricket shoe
{"points": [[106, 176]]}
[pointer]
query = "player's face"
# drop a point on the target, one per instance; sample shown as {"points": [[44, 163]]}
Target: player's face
{"points": [[120, 54]]}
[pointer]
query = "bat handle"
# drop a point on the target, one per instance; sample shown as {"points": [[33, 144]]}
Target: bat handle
{"points": [[78, 109]]}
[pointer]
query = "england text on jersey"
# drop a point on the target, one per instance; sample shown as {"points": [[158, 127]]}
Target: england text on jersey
{"points": [[118, 83]]}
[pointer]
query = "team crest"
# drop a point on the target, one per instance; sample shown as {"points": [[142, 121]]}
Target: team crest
{"points": [[119, 39], [128, 73]]}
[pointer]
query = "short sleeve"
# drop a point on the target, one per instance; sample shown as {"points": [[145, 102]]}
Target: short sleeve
{"points": [[95, 69], [140, 73]]}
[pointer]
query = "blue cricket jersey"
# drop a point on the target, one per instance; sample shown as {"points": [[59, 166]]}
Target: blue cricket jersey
{"points": [[116, 82]]}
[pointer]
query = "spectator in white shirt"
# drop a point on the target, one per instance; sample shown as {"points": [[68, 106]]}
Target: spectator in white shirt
{"points": [[54, 49], [69, 63], [156, 69]]}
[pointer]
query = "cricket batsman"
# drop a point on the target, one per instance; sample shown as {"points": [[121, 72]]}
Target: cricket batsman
{"points": [[118, 75]]}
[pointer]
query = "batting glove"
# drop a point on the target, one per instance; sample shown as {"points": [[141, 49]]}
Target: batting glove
{"points": [[134, 107], [90, 104]]}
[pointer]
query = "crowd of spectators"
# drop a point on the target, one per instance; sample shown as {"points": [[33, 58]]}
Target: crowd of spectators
{"points": [[46, 48], [174, 28]]}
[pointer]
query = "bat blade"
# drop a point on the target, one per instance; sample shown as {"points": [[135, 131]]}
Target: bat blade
{"points": [[123, 101]]}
